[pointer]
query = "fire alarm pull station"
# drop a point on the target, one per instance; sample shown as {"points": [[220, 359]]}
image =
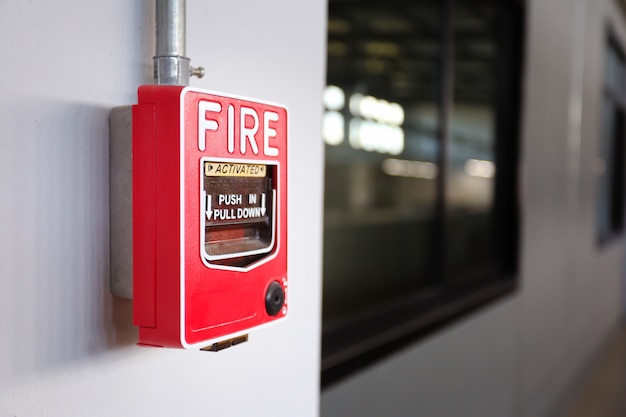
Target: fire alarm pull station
{"points": [[209, 183]]}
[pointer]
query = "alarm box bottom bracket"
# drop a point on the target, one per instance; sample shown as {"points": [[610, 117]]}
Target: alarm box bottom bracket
{"points": [[207, 245]]}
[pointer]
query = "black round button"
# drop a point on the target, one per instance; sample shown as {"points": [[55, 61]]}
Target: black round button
{"points": [[274, 298]]}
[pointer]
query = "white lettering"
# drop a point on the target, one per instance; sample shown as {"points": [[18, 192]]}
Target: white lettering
{"points": [[224, 214], [231, 129], [248, 133], [248, 212], [268, 132], [229, 199], [249, 125], [205, 124]]}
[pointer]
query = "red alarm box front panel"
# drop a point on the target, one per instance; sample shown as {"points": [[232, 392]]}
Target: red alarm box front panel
{"points": [[209, 216]]}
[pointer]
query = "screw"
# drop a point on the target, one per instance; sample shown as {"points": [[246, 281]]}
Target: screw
{"points": [[196, 72]]}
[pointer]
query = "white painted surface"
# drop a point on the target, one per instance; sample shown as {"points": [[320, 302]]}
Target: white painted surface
{"points": [[67, 347], [522, 356]]}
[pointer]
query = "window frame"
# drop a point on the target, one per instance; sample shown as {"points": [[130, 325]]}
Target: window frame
{"points": [[615, 181], [384, 332]]}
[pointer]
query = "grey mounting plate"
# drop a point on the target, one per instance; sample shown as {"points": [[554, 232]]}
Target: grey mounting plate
{"points": [[121, 201]]}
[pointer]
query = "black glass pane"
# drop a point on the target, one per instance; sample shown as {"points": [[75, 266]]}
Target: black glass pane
{"points": [[471, 165], [381, 134]]}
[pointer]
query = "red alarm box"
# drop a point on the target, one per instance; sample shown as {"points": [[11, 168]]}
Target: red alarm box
{"points": [[209, 216]]}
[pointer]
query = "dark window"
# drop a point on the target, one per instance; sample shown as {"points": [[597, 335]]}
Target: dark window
{"points": [[421, 129], [610, 164]]}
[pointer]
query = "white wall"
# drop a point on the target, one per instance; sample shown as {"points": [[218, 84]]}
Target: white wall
{"points": [[523, 355], [66, 346]]}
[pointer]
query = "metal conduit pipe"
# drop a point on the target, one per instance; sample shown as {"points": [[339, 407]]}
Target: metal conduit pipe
{"points": [[171, 66]]}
